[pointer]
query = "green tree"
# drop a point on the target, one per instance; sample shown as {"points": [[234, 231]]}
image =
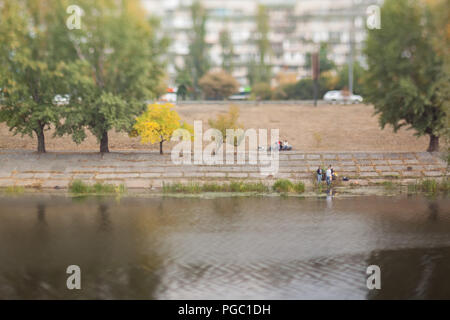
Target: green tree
{"points": [[438, 13], [325, 63], [260, 71], [197, 61], [184, 81], [405, 71], [304, 89], [358, 74], [33, 67], [227, 51], [122, 55]]}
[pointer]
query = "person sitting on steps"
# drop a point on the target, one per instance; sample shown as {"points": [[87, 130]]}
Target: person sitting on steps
{"points": [[286, 146]]}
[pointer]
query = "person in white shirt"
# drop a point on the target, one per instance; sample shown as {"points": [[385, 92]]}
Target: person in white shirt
{"points": [[329, 175]]}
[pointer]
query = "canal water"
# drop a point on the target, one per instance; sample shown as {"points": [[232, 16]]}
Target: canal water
{"points": [[224, 248]]}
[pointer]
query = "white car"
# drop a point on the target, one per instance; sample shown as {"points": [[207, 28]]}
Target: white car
{"points": [[169, 97], [240, 96], [339, 96]]}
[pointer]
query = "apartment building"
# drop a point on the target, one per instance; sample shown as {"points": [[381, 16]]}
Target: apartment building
{"points": [[297, 27]]}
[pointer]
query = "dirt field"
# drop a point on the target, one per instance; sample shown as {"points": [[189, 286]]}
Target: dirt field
{"points": [[307, 128]]}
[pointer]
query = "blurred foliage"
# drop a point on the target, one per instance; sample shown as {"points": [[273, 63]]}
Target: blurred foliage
{"points": [[261, 91], [260, 70], [226, 121], [34, 66], [358, 77], [122, 54], [218, 85], [408, 74], [226, 45], [107, 69], [302, 89], [197, 62], [324, 63]]}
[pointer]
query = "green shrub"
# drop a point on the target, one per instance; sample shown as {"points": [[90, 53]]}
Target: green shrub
{"points": [[445, 185], [299, 187], [253, 187], [283, 185], [121, 189], [388, 185], [104, 188], [15, 190], [261, 91], [214, 187], [429, 185], [79, 187], [181, 188]]}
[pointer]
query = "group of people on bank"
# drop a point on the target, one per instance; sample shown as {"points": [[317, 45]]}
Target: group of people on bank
{"points": [[281, 146], [326, 175]]}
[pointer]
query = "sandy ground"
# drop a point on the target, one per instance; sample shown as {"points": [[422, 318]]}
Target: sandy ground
{"points": [[307, 128]]}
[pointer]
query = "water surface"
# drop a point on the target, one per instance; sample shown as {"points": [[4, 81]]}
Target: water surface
{"points": [[224, 248]]}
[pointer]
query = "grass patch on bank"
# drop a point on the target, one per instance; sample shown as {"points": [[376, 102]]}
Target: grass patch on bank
{"points": [[79, 187], [389, 185], [280, 186], [14, 190], [430, 186], [214, 187], [285, 185]]}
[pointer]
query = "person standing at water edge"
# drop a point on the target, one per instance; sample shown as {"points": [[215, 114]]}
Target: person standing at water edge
{"points": [[329, 175], [319, 175]]}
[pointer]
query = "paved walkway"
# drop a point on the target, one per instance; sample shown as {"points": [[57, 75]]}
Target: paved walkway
{"points": [[150, 170]]}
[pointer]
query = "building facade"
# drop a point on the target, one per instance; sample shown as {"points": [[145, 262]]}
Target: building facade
{"points": [[297, 28]]}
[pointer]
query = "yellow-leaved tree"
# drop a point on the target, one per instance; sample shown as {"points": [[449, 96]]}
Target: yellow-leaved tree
{"points": [[158, 123]]}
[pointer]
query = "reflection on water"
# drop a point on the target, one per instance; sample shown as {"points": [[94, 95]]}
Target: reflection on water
{"points": [[225, 248]]}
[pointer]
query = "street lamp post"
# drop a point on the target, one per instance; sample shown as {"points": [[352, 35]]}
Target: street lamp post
{"points": [[316, 73]]}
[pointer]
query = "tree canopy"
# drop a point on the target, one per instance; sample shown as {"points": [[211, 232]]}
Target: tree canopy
{"points": [[197, 62], [260, 70], [106, 69], [33, 67], [119, 49], [158, 123], [406, 70], [218, 85]]}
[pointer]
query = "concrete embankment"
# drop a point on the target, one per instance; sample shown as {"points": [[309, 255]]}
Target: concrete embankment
{"points": [[151, 170]]}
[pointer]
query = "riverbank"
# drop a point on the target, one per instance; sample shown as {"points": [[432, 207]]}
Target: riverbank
{"points": [[149, 171]]}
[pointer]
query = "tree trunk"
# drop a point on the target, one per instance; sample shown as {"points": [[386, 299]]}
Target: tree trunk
{"points": [[104, 143], [434, 143], [160, 147], [41, 140]]}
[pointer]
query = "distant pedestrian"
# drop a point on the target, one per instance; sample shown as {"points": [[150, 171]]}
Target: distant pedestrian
{"points": [[319, 175], [329, 175]]}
